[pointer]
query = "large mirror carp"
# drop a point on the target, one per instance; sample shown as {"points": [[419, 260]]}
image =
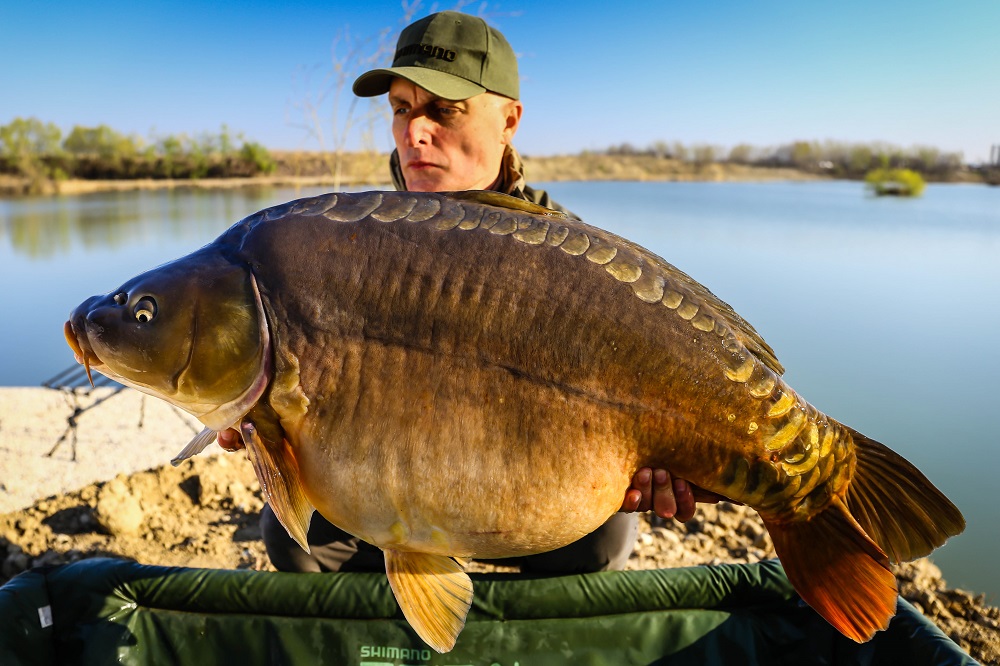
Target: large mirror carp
{"points": [[425, 369]]}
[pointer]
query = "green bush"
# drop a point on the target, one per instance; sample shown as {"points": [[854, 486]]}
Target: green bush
{"points": [[34, 150], [25, 145], [895, 182], [258, 158]]}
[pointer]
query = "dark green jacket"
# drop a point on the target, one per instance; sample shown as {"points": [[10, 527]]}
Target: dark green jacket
{"points": [[511, 181]]}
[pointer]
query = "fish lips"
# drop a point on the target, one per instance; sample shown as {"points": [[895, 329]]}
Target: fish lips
{"points": [[75, 331], [93, 323]]}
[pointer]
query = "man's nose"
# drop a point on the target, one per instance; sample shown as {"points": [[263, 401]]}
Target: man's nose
{"points": [[418, 130]]}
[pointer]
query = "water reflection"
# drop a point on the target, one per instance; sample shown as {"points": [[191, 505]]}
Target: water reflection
{"points": [[46, 227]]}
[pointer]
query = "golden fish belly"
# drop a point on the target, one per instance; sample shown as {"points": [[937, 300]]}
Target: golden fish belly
{"points": [[460, 459]]}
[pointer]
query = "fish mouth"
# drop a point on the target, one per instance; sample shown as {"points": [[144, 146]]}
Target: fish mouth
{"points": [[84, 356]]}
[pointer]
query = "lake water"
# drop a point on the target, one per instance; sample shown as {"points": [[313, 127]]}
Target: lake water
{"points": [[885, 312]]}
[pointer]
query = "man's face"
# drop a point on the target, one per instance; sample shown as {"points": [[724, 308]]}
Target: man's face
{"points": [[447, 145]]}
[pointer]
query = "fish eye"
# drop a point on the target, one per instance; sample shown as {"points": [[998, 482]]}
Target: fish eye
{"points": [[144, 310], [120, 298]]}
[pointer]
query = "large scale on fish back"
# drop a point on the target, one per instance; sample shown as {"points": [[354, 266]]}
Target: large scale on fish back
{"points": [[460, 375]]}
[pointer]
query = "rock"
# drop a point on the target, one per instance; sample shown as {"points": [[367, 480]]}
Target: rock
{"points": [[668, 537], [118, 511]]}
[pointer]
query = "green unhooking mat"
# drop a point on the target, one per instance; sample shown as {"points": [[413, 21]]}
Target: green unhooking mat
{"points": [[111, 611]]}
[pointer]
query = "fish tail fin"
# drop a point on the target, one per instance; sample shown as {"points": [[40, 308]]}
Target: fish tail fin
{"points": [[837, 570], [838, 560], [896, 505]]}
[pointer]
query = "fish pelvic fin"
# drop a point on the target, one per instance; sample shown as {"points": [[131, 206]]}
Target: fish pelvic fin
{"points": [[896, 505], [277, 472], [434, 593], [198, 444], [836, 569]]}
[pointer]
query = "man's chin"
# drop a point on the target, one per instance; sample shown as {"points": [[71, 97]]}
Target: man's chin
{"points": [[422, 183]]}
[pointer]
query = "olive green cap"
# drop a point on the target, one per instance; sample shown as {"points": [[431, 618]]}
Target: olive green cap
{"points": [[452, 55]]}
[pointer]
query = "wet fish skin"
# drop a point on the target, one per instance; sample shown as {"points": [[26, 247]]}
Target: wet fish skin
{"points": [[438, 364]]}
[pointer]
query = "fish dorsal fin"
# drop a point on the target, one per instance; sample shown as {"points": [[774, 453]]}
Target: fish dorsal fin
{"points": [[434, 592], [195, 446], [278, 474], [500, 200]]}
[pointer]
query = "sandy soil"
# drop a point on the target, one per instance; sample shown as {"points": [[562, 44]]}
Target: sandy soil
{"points": [[120, 497]]}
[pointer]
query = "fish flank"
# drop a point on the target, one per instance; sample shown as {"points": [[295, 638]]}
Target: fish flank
{"points": [[649, 286], [600, 253], [473, 218], [672, 299], [624, 271], [557, 234], [354, 209], [575, 245], [425, 209], [394, 209], [532, 232], [504, 227]]}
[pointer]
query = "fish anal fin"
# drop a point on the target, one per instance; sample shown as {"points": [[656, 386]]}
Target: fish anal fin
{"points": [[838, 571], [278, 474], [434, 593]]}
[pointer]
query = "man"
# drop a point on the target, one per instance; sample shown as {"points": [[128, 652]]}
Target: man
{"points": [[454, 92]]}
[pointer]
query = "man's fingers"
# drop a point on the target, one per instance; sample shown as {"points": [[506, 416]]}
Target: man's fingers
{"points": [[684, 497], [230, 440], [632, 499], [664, 502], [638, 496], [668, 497]]}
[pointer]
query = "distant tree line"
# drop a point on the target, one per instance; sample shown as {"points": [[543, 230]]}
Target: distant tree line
{"points": [[835, 158], [38, 151]]}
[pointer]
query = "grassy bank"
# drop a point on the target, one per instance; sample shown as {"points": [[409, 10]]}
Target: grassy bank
{"points": [[36, 158], [358, 169]]}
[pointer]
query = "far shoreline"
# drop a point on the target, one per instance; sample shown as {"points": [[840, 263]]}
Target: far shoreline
{"points": [[296, 170]]}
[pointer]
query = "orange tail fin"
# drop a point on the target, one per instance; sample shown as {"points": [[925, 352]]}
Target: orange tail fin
{"points": [[838, 571], [838, 560], [896, 505]]}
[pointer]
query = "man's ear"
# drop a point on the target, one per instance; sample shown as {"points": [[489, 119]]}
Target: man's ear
{"points": [[512, 116]]}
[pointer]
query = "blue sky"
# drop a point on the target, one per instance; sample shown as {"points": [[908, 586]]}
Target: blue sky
{"points": [[593, 74]]}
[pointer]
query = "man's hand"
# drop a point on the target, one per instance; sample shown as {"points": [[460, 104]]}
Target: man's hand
{"points": [[668, 498], [230, 440]]}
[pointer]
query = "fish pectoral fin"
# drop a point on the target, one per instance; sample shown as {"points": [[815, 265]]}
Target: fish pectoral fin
{"points": [[195, 446], [434, 593], [838, 570], [278, 474]]}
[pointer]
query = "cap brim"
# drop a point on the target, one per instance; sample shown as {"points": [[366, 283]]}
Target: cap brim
{"points": [[442, 84]]}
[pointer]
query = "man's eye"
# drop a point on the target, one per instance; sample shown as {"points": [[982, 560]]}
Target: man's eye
{"points": [[399, 111]]}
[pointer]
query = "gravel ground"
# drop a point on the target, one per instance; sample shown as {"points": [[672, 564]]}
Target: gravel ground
{"points": [[104, 487]]}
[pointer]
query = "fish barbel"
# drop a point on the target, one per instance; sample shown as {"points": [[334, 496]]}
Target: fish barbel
{"points": [[424, 370]]}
